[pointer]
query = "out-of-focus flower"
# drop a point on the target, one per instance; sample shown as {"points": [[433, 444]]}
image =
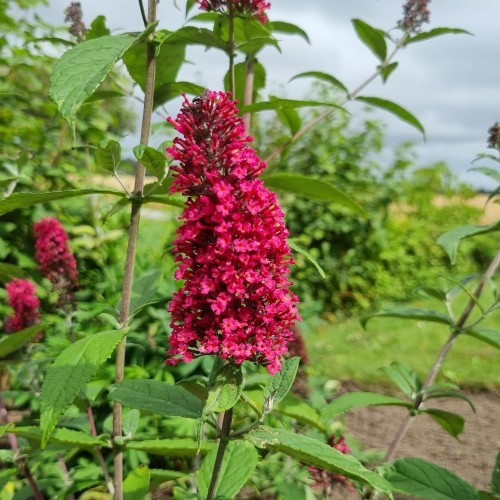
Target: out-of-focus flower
{"points": [[415, 14], [56, 261], [297, 347], [74, 15], [255, 8], [231, 248], [494, 136], [328, 480], [24, 302]]}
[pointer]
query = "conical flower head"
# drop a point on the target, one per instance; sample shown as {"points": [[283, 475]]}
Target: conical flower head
{"points": [[231, 246], [25, 304], [56, 261]]}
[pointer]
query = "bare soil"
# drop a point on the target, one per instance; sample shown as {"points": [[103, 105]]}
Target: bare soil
{"points": [[472, 457]]}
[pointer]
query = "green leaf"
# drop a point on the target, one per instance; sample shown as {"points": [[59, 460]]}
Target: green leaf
{"points": [[240, 459], [225, 390], [157, 397], [81, 69], [108, 155], [288, 28], [488, 335], [154, 161], [276, 103], [347, 402], [495, 476], [21, 200], [397, 110], [191, 35], [437, 393], [314, 189], [10, 271], [169, 59], [313, 452], [452, 423], [130, 422], [490, 172], [308, 256], [168, 91], [325, 77], [419, 478], [386, 71], [279, 385], [372, 37], [425, 35], [290, 118], [136, 484], [170, 447], [69, 374], [170, 200], [451, 239], [97, 29], [409, 313], [14, 341], [6, 476], [6, 428], [66, 437]]}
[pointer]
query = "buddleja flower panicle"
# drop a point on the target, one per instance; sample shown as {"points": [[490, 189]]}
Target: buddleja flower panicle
{"points": [[25, 304], [231, 248], [254, 8], [55, 259]]}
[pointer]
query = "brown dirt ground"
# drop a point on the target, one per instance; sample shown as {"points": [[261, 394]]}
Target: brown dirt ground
{"points": [[472, 457]]}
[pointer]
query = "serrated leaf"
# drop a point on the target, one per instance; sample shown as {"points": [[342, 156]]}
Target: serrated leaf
{"points": [[276, 103], [240, 459], [314, 189], [170, 447], [136, 484], [408, 313], [495, 476], [313, 452], [451, 422], [349, 401], [67, 437], [288, 28], [108, 155], [488, 335], [372, 37], [425, 35], [325, 77], [225, 389], [279, 385], [81, 69], [169, 59], [308, 256], [69, 374], [21, 200], [419, 478], [451, 239], [386, 71], [154, 161], [397, 110], [157, 397], [13, 341]]}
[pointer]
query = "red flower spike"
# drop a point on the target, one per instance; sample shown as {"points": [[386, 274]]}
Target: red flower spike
{"points": [[231, 248], [255, 8], [24, 302]]}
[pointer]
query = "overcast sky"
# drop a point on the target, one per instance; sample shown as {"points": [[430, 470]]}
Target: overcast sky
{"points": [[451, 83]]}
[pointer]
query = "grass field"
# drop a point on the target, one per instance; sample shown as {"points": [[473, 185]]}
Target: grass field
{"points": [[344, 351]]}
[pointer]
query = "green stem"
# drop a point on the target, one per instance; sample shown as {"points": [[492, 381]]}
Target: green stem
{"points": [[224, 439], [232, 82], [131, 252], [436, 367]]}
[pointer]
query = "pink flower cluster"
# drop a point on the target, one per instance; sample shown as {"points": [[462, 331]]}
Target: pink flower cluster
{"points": [[326, 479], [255, 8], [24, 302], [57, 263], [231, 247], [416, 13]]}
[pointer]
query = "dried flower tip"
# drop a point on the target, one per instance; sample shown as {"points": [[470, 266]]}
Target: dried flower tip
{"points": [[74, 15], [415, 14], [494, 136]]}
